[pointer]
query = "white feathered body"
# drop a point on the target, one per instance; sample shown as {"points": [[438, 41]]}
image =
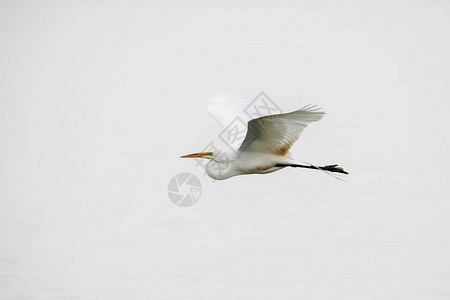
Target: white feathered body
{"points": [[267, 140], [245, 163]]}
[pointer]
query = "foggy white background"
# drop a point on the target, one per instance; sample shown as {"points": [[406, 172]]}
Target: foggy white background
{"points": [[99, 99]]}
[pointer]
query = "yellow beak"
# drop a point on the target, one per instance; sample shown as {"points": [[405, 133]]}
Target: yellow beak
{"points": [[200, 154]]}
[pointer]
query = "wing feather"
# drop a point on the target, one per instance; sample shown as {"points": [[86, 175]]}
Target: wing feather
{"points": [[229, 109], [277, 133], [225, 107]]}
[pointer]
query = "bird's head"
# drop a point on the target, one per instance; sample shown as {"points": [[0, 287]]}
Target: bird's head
{"points": [[208, 155]]}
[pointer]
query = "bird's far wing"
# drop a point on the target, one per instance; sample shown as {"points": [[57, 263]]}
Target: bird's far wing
{"points": [[225, 107], [277, 133]]}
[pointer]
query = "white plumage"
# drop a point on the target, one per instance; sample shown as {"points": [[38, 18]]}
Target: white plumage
{"points": [[267, 141]]}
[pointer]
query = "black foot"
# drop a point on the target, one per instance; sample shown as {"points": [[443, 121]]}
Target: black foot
{"points": [[333, 168]]}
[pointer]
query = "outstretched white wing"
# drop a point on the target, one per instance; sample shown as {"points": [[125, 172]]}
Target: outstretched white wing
{"points": [[277, 133], [225, 107], [229, 109]]}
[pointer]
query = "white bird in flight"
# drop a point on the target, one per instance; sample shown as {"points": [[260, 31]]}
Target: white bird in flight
{"points": [[265, 148]]}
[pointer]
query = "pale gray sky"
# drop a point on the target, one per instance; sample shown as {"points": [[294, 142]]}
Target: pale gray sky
{"points": [[99, 100]]}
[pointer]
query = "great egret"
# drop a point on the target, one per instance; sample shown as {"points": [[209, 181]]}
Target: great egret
{"points": [[266, 145]]}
